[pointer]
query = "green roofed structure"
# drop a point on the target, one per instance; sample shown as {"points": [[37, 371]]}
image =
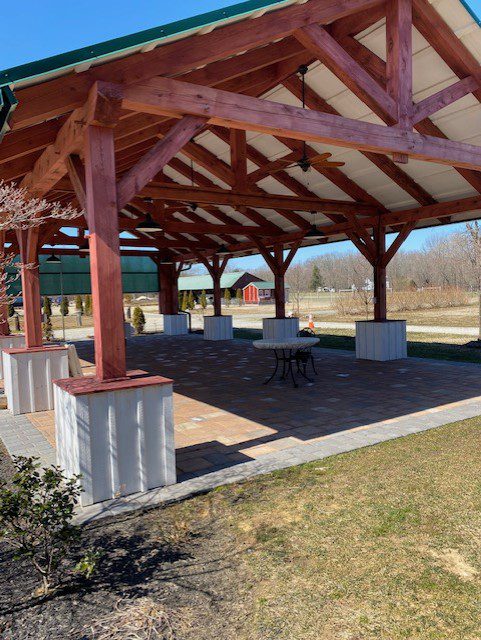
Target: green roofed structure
{"points": [[231, 281]]}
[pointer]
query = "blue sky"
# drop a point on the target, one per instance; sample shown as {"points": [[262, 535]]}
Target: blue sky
{"points": [[32, 30]]}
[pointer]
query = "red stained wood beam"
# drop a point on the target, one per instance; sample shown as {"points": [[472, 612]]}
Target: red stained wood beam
{"points": [[156, 158], [51, 99], [326, 48], [445, 42], [176, 192], [443, 98], [105, 269], [399, 63], [171, 97]]}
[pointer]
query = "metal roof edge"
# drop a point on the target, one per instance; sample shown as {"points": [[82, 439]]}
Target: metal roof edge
{"points": [[101, 50]]}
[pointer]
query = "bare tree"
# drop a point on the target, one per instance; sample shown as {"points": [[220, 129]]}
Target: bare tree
{"points": [[473, 251], [20, 211]]}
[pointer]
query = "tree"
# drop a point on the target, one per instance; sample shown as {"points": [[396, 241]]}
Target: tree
{"points": [[79, 305], [473, 250], [185, 302], [21, 211], [64, 306], [47, 307], [203, 300], [88, 305], [191, 301], [239, 296], [138, 320], [36, 513], [316, 279], [227, 297]]}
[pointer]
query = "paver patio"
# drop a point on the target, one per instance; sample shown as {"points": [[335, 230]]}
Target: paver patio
{"points": [[225, 416]]}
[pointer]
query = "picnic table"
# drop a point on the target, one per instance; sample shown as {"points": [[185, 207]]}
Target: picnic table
{"points": [[289, 352]]}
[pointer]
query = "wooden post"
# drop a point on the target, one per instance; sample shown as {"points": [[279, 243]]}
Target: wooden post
{"points": [[28, 243], [216, 268], [216, 275], [279, 282], [4, 326], [168, 289], [380, 299], [105, 267]]}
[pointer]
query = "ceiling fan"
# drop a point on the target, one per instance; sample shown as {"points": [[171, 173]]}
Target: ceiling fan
{"points": [[306, 161]]}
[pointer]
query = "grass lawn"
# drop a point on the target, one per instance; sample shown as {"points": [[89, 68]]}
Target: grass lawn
{"points": [[379, 544], [420, 345]]}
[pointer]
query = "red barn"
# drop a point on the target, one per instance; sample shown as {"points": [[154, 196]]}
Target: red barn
{"points": [[261, 293]]}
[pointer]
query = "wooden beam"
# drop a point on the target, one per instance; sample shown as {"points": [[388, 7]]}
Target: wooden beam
{"points": [[399, 61], [319, 42], [398, 242], [105, 269], [445, 42], [185, 193], [28, 245], [103, 105], [443, 98], [238, 148], [76, 173], [156, 158], [50, 99], [171, 97], [377, 68]]}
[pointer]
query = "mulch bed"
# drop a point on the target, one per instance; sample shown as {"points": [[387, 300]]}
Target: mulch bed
{"points": [[188, 568]]}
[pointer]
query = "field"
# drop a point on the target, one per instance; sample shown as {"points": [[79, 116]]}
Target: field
{"points": [[379, 544]]}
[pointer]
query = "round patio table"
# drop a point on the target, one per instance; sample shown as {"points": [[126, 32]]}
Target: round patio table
{"points": [[287, 352]]}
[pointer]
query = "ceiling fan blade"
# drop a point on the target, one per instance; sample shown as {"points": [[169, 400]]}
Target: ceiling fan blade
{"points": [[320, 156], [326, 163], [291, 166]]}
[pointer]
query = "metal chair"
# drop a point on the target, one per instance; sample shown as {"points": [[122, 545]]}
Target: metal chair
{"points": [[304, 356]]}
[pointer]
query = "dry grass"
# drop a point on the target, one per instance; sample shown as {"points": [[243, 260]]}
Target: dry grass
{"points": [[352, 304], [379, 544], [141, 619]]}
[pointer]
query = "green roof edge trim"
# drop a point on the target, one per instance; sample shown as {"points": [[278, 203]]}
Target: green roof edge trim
{"points": [[124, 43]]}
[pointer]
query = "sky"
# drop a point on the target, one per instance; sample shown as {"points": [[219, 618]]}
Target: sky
{"points": [[32, 30]]}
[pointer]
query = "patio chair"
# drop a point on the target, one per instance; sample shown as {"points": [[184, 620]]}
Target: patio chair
{"points": [[304, 356]]}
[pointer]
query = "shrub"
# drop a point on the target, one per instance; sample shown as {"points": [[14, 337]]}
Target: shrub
{"points": [[88, 305], [239, 296], [79, 305], [64, 306], [36, 512], [185, 302], [47, 307], [203, 300], [227, 297], [47, 329], [191, 301], [138, 320]]}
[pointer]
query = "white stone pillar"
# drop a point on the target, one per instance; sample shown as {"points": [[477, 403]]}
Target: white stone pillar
{"points": [[14, 340], [28, 376], [218, 328], [381, 341], [176, 324], [118, 434], [279, 328]]}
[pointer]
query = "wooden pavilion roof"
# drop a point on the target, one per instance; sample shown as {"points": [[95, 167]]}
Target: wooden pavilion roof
{"points": [[255, 49]]}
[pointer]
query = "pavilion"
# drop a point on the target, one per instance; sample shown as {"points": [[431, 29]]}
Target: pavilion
{"points": [[260, 128]]}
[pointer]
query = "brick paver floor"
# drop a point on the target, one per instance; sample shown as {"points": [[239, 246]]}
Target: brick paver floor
{"points": [[224, 415]]}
